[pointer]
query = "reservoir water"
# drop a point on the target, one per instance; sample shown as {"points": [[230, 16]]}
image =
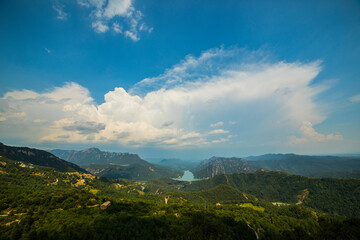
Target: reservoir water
{"points": [[188, 176]]}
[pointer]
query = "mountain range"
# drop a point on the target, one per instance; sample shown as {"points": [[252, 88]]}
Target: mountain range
{"points": [[116, 165], [96, 156], [309, 166]]}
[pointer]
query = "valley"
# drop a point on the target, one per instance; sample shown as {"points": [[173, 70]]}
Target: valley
{"points": [[43, 201], [116, 165]]}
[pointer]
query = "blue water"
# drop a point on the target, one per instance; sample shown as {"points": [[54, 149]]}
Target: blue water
{"points": [[188, 176]]}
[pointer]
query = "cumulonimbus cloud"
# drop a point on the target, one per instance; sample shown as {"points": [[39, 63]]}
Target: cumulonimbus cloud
{"points": [[181, 109]]}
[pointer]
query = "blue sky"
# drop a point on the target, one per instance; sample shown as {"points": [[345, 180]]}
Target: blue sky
{"points": [[186, 79]]}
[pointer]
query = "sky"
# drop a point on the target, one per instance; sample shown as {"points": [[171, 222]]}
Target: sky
{"points": [[185, 79]]}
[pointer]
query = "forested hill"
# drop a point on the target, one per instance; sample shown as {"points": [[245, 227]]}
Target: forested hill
{"points": [[335, 196], [38, 157], [42, 203]]}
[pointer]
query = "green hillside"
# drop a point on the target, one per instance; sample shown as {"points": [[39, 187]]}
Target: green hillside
{"points": [[38, 157], [42, 203], [334, 196]]}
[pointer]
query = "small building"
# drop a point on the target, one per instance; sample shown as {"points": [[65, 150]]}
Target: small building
{"points": [[105, 205]]}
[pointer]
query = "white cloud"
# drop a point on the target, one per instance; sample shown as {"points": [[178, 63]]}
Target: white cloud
{"points": [[218, 124], [264, 100], [211, 63], [188, 69], [133, 36], [99, 27], [310, 136], [59, 8], [218, 131], [105, 15], [355, 98], [117, 28], [117, 8], [220, 140], [92, 3]]}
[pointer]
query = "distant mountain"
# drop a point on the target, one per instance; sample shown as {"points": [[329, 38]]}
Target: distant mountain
{"points": [[38, 157], [96, 156], [175, 163], [116, 165], [317, 166], [309, 166], [270, 156], [219, 165]]}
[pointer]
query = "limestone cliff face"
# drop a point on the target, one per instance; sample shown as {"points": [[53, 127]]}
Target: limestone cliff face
{"points": [[218, 165]]}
